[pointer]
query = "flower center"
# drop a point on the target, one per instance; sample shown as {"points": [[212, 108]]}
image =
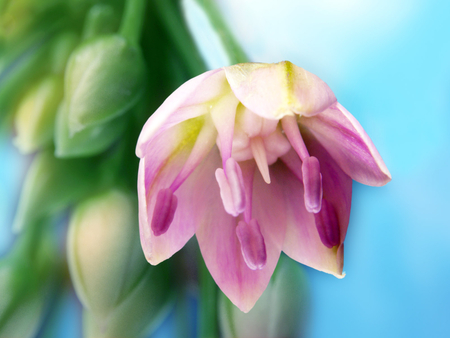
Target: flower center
{"points": [[257, 138]]}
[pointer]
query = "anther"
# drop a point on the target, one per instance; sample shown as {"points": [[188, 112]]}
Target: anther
{"points": [[327, 225], [165, 207], [231, 184], [312, 181], [252, 243]]}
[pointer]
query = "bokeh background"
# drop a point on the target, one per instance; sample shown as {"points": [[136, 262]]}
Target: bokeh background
{"points": [[388, 62]]}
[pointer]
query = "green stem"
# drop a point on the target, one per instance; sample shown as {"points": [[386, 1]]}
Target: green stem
{"points": [[172, 19], [232, 47], [208, 303], [132, 20]]}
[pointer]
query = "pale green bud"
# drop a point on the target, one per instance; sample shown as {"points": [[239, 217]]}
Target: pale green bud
{"points": [[103, 248], [87, 142], [51, 185], [141, 312], [28, 277], [281, 311], [122, 294], [35, 117], [104, 78]]}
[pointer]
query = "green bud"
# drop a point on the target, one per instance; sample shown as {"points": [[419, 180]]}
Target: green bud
{"points": [[103, 243], [51, 185], [104, 78], [87, 142], [28, 277], [281, 312], [121, 293], [100, 20], [35, 116], [141, 312]]}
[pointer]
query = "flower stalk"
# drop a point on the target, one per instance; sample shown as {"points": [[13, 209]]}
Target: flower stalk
{"points": [[234, 51], [169, 12], [133, 20], [207, 303]]}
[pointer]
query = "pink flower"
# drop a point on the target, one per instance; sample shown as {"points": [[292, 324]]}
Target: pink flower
{"points": [[254, 159]]}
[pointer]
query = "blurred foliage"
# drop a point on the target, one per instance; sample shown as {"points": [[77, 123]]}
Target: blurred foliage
{"points": [[78, 79]]}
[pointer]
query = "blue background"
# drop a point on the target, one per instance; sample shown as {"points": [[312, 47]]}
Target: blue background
{"points": [[388, 63]]}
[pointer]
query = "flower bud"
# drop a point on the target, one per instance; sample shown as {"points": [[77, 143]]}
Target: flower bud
{"points": [[281, 312], [141, 312], [104, 78], [121, 293], [51, 185], [35, 116], [87, 142], [28, 277]]}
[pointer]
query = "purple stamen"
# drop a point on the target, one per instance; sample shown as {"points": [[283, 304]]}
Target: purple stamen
{"points": [[252, 243], [312, 181], [328, 225], [231, 184], [165, 207]]}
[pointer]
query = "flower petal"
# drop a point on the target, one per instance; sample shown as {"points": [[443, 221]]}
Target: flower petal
{"points": [[190, 100], [302, 242], [347, 142], [164, 160], [220, 245], [276, 90], [337, 185]]}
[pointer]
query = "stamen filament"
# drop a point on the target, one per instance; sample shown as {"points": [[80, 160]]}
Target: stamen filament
{"points": [[259, 154], [223, 113], [248, 172], [290, 127]]}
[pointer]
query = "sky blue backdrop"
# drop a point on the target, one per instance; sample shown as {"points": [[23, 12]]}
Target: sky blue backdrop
{"points": [[388, 63]]}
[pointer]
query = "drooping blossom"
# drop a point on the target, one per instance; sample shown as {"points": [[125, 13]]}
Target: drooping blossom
{"points": [[253, 159]]}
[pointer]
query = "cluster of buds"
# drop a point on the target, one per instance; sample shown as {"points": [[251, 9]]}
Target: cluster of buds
{"points": [[74, 90]]}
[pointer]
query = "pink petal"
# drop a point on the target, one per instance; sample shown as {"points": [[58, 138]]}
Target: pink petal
{"points": [[276, 90], [190, 100], [220, 245], [302, 242], [347, 142], [337, 185], [163, 161]]}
